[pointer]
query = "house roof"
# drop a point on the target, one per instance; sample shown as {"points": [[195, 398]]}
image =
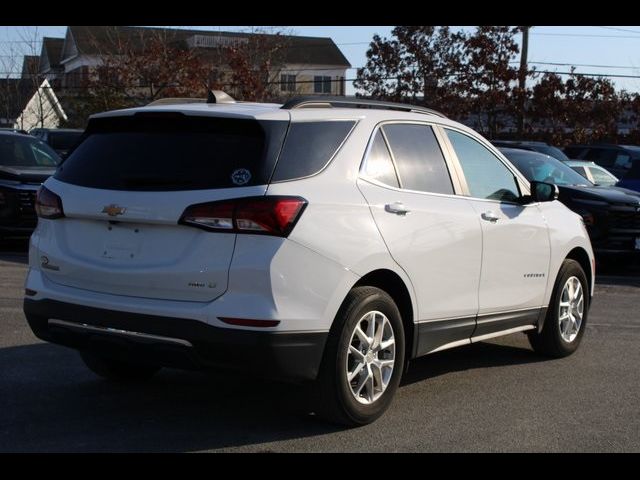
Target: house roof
{"points": [[30, 65], [298, 50], [53, 49]]}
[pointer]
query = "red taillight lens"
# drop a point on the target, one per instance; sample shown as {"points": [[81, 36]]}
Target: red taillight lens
{"points": [[275, 215], [48, 204]]}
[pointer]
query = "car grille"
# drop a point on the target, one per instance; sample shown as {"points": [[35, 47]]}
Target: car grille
{"points": [[27, 202], [624, 219]]}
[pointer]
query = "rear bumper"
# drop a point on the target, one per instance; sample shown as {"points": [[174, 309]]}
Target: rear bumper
{"points": [[177, 342]]}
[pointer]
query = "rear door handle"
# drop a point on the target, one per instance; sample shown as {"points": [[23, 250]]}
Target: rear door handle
{"points": [[490, 217], [396, 207]]}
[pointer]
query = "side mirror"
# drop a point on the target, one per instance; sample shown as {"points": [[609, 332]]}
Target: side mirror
{"points": [[544, 192]]}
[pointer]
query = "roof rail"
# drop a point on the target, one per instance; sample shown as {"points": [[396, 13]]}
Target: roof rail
{"points": [[346, 102]]}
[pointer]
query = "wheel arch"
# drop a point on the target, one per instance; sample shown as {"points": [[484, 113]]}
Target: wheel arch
{"points": [[581, 256], [395, 286]]}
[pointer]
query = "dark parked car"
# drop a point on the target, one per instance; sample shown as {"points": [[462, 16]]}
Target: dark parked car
{"points": [[540, 147], [611, 215], [25, 162], [615, 158], [60, 139], [631, 179], [15, 130]]}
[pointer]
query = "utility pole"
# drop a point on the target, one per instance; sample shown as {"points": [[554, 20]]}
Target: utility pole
{"points": [[522, 79]]}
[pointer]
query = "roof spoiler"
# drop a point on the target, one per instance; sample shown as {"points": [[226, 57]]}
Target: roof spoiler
{"points": [[214, 96]]}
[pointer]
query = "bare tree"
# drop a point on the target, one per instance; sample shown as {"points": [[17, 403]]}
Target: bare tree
{"points": [[25, 95]]}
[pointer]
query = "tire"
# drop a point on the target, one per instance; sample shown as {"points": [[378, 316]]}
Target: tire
{"points": [[117, 370], [338, 399], [555, 340]]}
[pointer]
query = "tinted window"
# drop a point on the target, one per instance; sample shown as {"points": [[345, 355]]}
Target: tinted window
{"points": [[172, 151], [309, 147], [573, 152], [487, 177], [622, 161], [419, 159], [601, 156], [63, 140], [23, 151], [379, 165], [634, 172]]}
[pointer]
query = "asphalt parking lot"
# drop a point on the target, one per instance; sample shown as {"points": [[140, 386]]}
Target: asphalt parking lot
{"points": [[495, 396]]}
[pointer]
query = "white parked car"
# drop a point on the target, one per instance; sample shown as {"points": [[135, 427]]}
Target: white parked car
{"points": [[312, 241]]}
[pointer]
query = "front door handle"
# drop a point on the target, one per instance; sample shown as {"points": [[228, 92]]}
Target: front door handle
{"points": [[396, 207], [490, 216]]}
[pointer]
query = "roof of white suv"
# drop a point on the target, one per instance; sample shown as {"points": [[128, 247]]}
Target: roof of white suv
{"points": [[275, 111]]}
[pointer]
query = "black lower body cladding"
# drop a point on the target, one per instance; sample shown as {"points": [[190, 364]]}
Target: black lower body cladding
{"points": [[177, 342]]}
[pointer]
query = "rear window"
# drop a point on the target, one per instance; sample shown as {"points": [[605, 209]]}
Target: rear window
{"points": [[172, 151]]}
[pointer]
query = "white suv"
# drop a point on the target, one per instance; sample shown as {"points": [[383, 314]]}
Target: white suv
{"points": [[325, 240]]}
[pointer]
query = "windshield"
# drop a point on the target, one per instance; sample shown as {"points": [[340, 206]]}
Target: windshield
{"points": [[543, 168], [24, 151], [554, 152], [602, 176]]}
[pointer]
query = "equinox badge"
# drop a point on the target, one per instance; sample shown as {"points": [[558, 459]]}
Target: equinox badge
{"points": [[113, 210]]}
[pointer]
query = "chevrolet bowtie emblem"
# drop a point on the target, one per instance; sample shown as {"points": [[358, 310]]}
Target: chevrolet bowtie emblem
{"points": [[113, 210]]}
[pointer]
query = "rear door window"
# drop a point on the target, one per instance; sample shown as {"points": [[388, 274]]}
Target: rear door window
{"points": [[421, 165]]}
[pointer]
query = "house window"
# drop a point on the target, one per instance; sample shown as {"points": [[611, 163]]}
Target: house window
{"points": [[321, 84], [288, 83]]}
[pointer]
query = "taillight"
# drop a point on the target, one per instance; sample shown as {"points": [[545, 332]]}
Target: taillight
{"points": [[275, 215], [48, 204]]}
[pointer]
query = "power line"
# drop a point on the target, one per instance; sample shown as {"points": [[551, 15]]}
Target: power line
{"points": [[568, 64], [618, 29], [584, 35]]}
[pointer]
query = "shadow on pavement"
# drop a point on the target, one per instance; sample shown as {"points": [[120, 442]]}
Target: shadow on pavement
{"points": [[52, 403], [14, 250], [477, 355]]}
